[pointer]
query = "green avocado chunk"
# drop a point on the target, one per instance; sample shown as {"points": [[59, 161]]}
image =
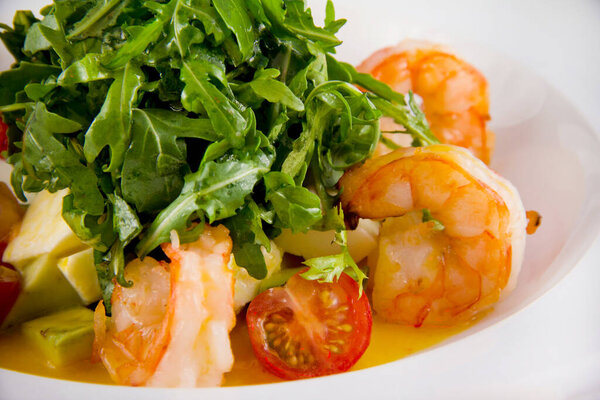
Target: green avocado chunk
{"points": [[44, 290], [64, 337]]}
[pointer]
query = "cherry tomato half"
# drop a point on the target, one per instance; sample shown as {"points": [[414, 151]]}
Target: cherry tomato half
{"points": [[10, 286], [306, 328]]}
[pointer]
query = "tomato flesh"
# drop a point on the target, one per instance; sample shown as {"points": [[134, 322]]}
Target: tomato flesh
{"points": [[307, 329], [10, 286]]}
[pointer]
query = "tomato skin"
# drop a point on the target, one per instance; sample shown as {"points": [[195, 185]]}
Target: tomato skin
{"points": [[307, 329], [10, 286], [3, 136]]}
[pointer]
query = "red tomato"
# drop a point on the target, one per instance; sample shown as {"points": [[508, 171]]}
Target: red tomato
{"points": [[308, 329], [10, 286], [3, 137]]}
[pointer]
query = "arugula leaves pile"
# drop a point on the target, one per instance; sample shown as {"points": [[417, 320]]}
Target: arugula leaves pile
{"points": [[161, 114]]}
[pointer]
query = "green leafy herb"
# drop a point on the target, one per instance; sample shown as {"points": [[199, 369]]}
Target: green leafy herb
{"points": [[295, 206], [236, 18], [52, 160], [155, 163], [329, 268], [111, 127], [248, 237], [216, 191]]}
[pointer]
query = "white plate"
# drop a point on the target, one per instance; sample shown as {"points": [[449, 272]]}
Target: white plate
{"points": [[544, 146]]}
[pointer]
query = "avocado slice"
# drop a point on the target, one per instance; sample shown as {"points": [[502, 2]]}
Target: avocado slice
{"points": [[64, 337], [43, 231], [44, 290], [80, 271]]}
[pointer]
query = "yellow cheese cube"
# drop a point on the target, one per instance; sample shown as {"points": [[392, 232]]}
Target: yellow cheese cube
{"points": [[80, 271], [361, 241], [43, 231]]}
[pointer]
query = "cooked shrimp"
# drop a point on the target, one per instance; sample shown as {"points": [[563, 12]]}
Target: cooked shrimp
{"points": [[454, 94], [453, 237], [171, 328]]}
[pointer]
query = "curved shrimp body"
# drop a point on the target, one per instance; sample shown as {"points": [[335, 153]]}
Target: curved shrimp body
{"points": [[453, 236], [455, 95], [171, 328]]}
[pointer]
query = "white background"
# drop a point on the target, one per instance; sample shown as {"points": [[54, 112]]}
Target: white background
{"points": [[551, 349]]}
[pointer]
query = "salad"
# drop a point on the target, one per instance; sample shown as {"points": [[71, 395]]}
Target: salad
{"points": [[196, 156]]}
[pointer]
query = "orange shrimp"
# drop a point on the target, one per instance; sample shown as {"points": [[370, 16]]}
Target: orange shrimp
{"points": [[454, 93], [171, 328], [453, 237]]}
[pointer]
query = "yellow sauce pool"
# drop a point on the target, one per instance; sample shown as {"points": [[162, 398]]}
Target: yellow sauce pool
{"points": [[389, 342]]}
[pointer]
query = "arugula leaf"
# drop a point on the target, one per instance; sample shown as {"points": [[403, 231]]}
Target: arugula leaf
{"points": [[86, 69], [56, 164], [248, 237], [351, 137], [258, 12], [343, 125], [14, 80], [49, 34], [112, 126], [216, 190], [155, 163], [103, 14], [14, 38], [299, 21], [187, 33], [413, 120], [37, 91], [125, 220], [236, 18], [110, 267], [106, 281], [144, 36], [68, 10], [264, 85], [95, 231], [201, 95], [296, 207], [296, 163], [329, 13], [391, 103], [36, 39], [331, 24], [274, 10]]}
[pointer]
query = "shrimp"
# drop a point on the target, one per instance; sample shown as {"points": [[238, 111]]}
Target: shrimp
{"points": [[171, 328], [454, 94], [453, 238]]}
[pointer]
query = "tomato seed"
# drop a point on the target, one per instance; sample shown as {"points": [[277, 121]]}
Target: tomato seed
{"points": [[270, 326]]}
